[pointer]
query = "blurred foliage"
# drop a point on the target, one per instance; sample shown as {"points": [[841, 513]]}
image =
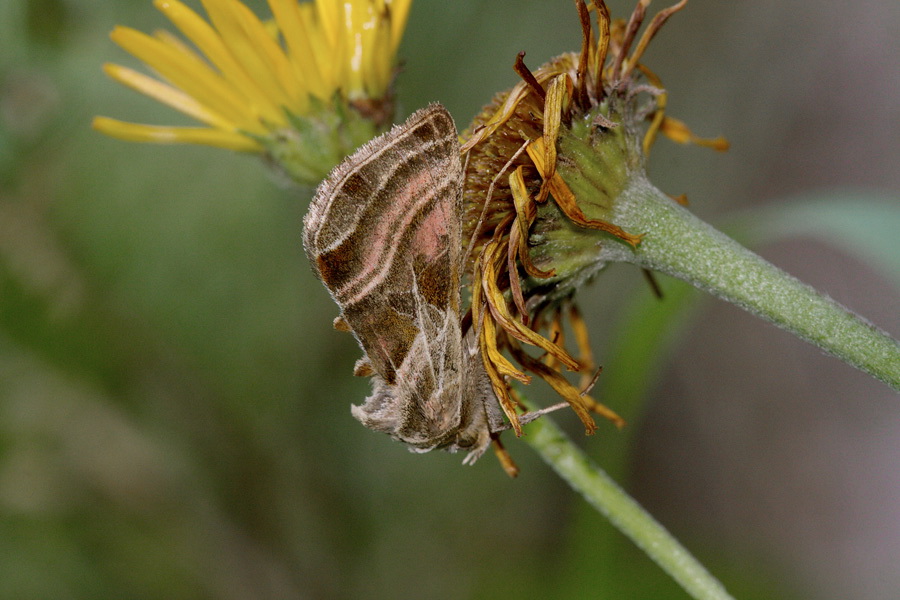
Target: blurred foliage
{"points": [[174, 403]]}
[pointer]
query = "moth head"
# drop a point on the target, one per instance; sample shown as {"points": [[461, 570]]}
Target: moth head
{"points": [[473, 436]]}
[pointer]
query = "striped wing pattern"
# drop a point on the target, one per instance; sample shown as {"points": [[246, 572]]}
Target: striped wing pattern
{"points": [[386, 222], [383, 235]]}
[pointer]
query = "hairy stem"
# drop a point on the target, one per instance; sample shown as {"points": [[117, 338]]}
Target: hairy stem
{"points": [[676, 242], [624, 512], [679, 244]]}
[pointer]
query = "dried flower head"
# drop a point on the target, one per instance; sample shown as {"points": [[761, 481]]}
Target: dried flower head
{"points": [[534, 236]]}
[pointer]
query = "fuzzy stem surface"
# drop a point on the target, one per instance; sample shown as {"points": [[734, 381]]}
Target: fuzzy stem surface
{"points": [[622, 510], [678, 243]]}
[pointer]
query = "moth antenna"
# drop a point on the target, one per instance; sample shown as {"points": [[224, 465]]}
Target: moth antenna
{"points": [[465, 166], [593, 382], [534, 415], [487, 199]]}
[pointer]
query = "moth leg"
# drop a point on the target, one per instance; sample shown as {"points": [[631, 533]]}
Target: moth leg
{"points": [[363, 367], [602, 410], [340, 324]]}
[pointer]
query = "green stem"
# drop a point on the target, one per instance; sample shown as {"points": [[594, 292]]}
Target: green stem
{"points": [[679, 244], [624, 512]]}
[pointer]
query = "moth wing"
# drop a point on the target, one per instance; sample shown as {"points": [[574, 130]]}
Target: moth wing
{"points": [[386, 222]]}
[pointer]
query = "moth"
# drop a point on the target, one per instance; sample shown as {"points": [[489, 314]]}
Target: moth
{"points": [[383, 234]]}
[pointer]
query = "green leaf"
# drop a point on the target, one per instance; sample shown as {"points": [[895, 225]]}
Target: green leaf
{"points": [[864, 225]]}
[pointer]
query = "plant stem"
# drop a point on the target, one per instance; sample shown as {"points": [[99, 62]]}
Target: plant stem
{"points": [[679, 244], [624, 512]]}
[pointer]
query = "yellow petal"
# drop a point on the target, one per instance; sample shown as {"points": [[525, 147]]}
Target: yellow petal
{"points": [[603, 21], [525, 209], [202, 35], [503, 366], [506, 461], [399, 13], [658, 21], [501, 313], [378, 57], [196, 79], [562, 387], [501, 390], [327, 53], [242, 34], [679, 132], [270, 53], [366, 41], [585, 353], [553, 107], [167, 95], [330, 16], [134, 132], [298, 39], [555, 332], [501, 116]]}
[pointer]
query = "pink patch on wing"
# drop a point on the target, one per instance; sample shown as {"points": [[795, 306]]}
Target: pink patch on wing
{"points": [[430, 240], [390, 225]]}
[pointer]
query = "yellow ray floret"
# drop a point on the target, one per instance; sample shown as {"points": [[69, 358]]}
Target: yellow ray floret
{"points": [[243, 79]]}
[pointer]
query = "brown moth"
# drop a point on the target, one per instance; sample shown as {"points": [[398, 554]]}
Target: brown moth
{"points": [[384, 235]]}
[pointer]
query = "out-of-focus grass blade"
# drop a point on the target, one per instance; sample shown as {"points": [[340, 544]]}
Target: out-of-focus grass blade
{"points": [[864, 225]]}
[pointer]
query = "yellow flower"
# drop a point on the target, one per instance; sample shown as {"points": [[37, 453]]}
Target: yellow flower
{"points": [[245, 81]]}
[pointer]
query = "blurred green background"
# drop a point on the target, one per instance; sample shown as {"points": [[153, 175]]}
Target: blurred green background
{"points": [[174, 403]]}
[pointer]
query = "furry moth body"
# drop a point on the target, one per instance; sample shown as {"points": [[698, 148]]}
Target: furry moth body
{"points": [[384, 235]]}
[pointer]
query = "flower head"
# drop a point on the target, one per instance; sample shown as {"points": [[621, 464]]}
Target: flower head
{"points": [[548, 161], [305, 89]]}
